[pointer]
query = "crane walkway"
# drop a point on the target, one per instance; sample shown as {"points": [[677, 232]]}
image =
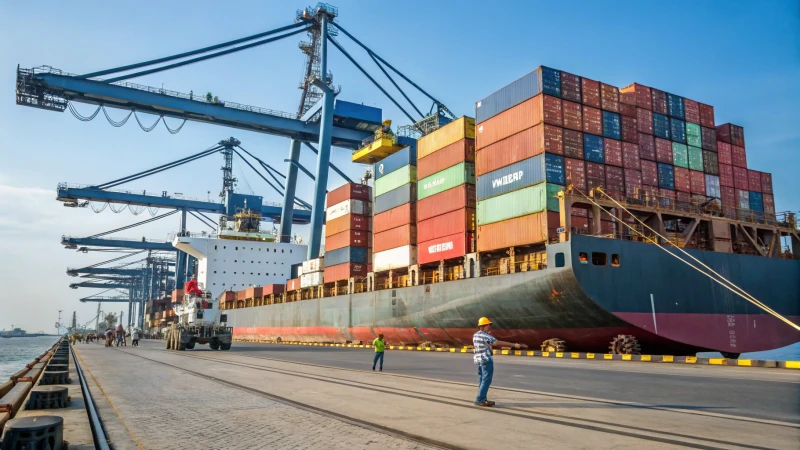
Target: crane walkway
{"points": [[152, 398]]}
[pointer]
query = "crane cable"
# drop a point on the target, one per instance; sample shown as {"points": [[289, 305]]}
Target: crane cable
{"points": [[736, 291], [119, 123]]}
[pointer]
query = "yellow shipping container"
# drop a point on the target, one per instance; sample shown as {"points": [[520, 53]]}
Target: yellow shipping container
{"points": [[461, 128]]}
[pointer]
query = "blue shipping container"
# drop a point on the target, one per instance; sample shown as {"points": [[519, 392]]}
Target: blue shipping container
{"points": [[593, 150], [677, 129], [712, 186], [660, 126], [756, 201], [612, 127], [396, 161], [554, 168], [666, 176], [346, 255], [396, 197], [675, 106], [510, 178], [358, 111], [543, 79]]}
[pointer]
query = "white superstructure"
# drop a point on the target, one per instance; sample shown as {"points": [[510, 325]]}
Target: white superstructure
{"points": [[236, 264]]}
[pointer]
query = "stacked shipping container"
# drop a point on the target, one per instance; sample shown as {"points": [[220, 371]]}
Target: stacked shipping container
{"points": [[348, 233], [395, 221], [746, 190], [446, 192]]}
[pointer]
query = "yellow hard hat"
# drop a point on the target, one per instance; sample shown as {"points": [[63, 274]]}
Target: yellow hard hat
{"points": [[484, 321]]}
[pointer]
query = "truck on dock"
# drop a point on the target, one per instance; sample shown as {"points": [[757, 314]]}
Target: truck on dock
{"points": [[199, 322]]}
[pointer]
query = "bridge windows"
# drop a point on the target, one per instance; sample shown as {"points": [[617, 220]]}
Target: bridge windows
{"points": [[599, 258]]}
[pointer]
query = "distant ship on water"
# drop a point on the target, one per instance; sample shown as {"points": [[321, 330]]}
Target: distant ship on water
{"points": [[19, 332]]}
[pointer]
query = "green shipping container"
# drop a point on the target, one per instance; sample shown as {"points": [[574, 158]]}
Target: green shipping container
{"points": [[518, 203], [695, 158], [446, 179], [680, 155], [392, 181], [552, 201], [693, 135]]}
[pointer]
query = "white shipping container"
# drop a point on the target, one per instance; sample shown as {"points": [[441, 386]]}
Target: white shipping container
{"points": [[314, 265], [311, 279], [348, 207], [395, 258]]}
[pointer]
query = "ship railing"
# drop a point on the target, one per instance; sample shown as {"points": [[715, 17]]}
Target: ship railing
{"points": [[202, 234]]}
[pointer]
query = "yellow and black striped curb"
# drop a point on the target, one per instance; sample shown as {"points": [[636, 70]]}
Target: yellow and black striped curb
{"points": [[571, 355]]}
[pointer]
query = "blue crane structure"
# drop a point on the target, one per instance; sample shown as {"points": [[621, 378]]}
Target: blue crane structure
{"points": [[321, 117]]}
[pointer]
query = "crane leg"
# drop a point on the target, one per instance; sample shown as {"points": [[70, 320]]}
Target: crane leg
{"points": [[288, 195]]}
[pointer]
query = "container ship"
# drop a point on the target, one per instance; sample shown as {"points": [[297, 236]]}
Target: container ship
{"points": [[575, 214]]}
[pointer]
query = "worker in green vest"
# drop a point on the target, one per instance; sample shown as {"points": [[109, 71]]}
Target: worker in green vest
{"points": [[380, 345]]}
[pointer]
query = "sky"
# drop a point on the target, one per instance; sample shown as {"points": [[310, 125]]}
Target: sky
{"points": [[741, 57]]}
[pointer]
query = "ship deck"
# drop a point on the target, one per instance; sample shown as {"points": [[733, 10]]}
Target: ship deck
{"points": [[284, 396]]}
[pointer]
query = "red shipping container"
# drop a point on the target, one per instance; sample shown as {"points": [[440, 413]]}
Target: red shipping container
{"points": [[573, 144], [615, 179], [592, 121], [450, 200], [592, 183], [459, 221], [531, 112], [347, 222], [691, 111], [626, 97], [273, 289], [633, 182], [649, 173], [575, 172], [629, 130], [395, 217], [396, 237], [630, 156], [647, 147], [738, 156], [732, 134], [728, 196], [643, 95], [293, 284], [766, 183], [457, 152], [644, 121], [663, 151], [707, 116], [523, 145], [698, 182], [741, 179], [668, 194], [447, 247], [627, 110], [573, 116], [570, 87], [591, 92], [709, 138], [754, 180], [595, 170], [613, 150], [609, 97], [769, 204], [528, 229], [724, 153], [726, 175], [659, 101], [350, 191], [349, 238], [683, 182], [344, 271], [683, 197]]}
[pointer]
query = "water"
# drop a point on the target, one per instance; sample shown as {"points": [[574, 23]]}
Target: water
{"points": [[788, 353], [16, 352]]}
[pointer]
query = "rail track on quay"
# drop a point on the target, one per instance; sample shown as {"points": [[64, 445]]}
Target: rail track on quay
{"points": [[335, 376]]}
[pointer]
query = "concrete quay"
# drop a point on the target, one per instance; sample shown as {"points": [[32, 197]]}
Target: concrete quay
{"points": [[294, 397]]}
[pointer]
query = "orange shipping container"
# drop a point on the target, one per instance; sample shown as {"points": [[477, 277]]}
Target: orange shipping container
{"points": [[395, 217], [293, 284], [523, 230], [177, 295], [542, 108], [450, 200], [349, 238], [344, 272], [273, 289], [396, 237], [254, 292], [347, 222], [526, 144], [463, 150], [227, 296], [461, 128], [350, 191], [241, 295], [458, 221]]}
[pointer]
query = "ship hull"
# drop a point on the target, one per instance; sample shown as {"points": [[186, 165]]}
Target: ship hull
{"points": [[586, 305]]}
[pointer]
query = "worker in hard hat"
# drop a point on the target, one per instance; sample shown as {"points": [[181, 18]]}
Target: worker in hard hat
{"points": [[483, 343]]}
